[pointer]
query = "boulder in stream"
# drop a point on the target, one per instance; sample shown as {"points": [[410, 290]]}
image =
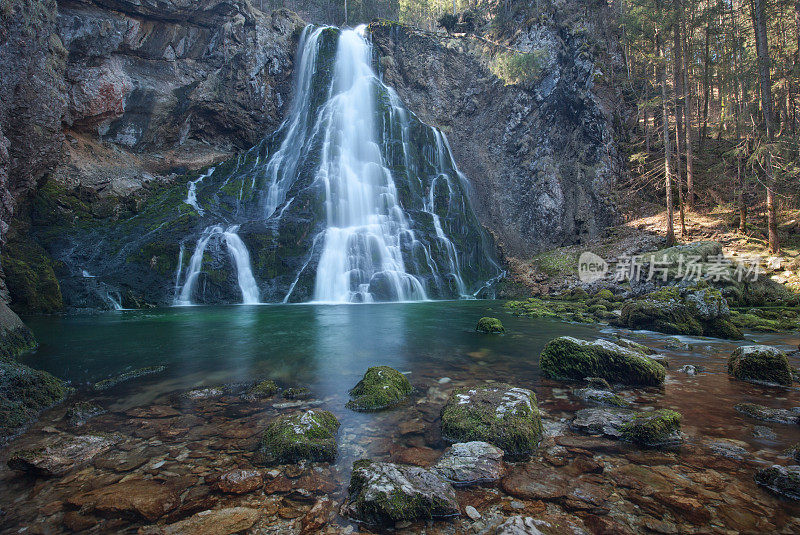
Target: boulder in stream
{"points": [[24, 392], [111, 382], [497, 413], [574, 359], [61, 455], [310, 435], [470, 463], [381, 388], [760, 364], [768, 414], [385, 493], [783, 480], [490, 326], [645, 428]]}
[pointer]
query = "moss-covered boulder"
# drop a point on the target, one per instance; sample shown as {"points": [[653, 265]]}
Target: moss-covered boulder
{"points": [[262, 389], [297, 392], [24, 393], [600, 397], [306, 436], [696, 310], [111, 382], [760, 364], [499, 414], [782, 480], [769, 414], [381, 388], [386, 493], [650, 428], [490, 326], [30, 278], [574, 359], [15, 337]]}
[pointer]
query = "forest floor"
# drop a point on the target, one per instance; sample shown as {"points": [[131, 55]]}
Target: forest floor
{"points": [[644, 230]]}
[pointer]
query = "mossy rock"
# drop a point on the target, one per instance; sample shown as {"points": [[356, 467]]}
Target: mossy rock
{"points": [[759, 363], [782, 480], [769, 414], [568, 358], [605, 294], [499, 414], [298, 392], [490, 326], [24, 392], [15, 337], [127, 376], [386, 493], [655, 428], [31, 281], [381, 388], [307, 436], [263, 389]]}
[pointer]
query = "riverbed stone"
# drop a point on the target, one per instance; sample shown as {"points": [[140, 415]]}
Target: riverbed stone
{"points": [[490, 326], [569, 358], [310, 435], [128, 376], [769, 414], [297, 392], [81, 412], [262, 389], [518, 525], [381, 388], [61, 455], [647, 428], [600, 397], [24, 393], [210, 522], [498, 413], [238, 481], [384, 493], [760, 364], [143, 498], [783, 480], [470, 463]]}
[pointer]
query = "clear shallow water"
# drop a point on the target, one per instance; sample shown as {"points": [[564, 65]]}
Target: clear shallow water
{"points": [[328, 348]]}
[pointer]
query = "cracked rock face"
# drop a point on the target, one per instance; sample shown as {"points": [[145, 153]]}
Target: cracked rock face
{"points": [[383, 493], [470, 463]]}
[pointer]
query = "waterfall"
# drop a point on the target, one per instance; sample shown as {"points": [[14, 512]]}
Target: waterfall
{"points": [[352, 199], [240, 258]]}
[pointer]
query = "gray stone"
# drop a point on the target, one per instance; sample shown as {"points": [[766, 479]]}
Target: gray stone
{"points": [[469, 463], [783, 480], [62, 455], [519, 525]]}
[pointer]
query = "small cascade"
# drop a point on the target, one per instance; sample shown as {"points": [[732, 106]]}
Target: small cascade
{"points": [[191, 194], [116, 301], [240, 258]]}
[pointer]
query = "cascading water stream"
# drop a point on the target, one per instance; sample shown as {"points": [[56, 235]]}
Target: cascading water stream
{"points": [[375, 207]]}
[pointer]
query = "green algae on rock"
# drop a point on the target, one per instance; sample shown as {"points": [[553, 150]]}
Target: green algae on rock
{"points": [[297, 392], [768, 414], [490, 326], [105, 384], [696, 310], [386, 493], [310, 436], [783, 480], [24, 393], [381, 388], [262, 389], [760, 364], [645, 428], [15, 337], [573, 359], [498, 413]]}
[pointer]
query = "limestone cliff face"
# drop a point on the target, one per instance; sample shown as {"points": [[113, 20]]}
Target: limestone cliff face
{"points": [[541, 156]]}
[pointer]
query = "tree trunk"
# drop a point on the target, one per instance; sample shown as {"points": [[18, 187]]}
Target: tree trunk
{"points": [[662, 71], [677, 74], [687, 116], [762, 53], [706, 90]]}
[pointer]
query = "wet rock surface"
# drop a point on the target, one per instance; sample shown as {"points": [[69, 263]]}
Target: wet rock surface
{"points": [[768, 414], [310, 435], [386, 492], [61, 455], [499, 414], [381, 388], [656, 428], [759, 363], [470, 463], [783, 480]]}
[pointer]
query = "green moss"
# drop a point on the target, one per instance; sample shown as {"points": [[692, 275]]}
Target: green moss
{"points": [[162, 256], [16, 341], [572, 359], [263, 389], [499, 414], [297, 393], [652, 428], [760, 364], [606, 294], [30, 278], [24, 392], [381, 387], [307, 436], [490, 326], [127, 376]]}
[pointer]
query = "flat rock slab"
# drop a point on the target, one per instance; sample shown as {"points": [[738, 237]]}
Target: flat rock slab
{"points": [[211, 522], [384, 493], [238, 481], [470, 463], [519, 525], [142, 498], [61, 456], [783, 480], [768, 414]]}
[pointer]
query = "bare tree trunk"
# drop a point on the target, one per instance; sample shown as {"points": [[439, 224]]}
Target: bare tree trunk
{"points": [[677, 74], [687, 116], [662, 71], [706, 90], [762, 52]]}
